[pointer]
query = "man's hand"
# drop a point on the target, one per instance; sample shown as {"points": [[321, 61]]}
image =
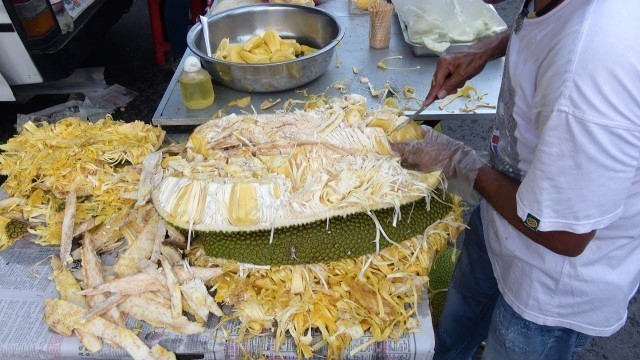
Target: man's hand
{"points": [[440, 152], [453, 71]]}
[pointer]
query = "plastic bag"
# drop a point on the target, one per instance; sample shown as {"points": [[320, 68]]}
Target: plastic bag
{"points": [[438, 23]]}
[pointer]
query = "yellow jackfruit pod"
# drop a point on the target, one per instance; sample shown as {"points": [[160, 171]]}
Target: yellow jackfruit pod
{"points": [[379, 138], [223, 46], [352, 116], [361, 107], [293, 44], [264, 47], [236, 58], [382, 145], [384, 124], [288, 48], [199, 145], [243, 205], [250, 58], [306, 50], [275, 190], [278, 164], [260, 51], [252, 43], [410, 132], [390, 102], [165, 162], [234, 49], [272, 39], [281, 56]]}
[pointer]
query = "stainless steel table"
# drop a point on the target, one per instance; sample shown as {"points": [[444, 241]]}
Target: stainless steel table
{"points": [[353, 51]]}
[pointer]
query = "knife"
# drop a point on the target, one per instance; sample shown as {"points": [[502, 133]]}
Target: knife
{"points": [[411, 118]]}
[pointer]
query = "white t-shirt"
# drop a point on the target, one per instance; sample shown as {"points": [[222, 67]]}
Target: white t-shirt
{"points": [[568, 127]]}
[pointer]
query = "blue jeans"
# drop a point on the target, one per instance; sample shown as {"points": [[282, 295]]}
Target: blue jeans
{"points": [[475, 310]]}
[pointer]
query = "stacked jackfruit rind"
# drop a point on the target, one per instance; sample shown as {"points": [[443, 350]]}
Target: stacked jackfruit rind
{"points": [[98, 160]]}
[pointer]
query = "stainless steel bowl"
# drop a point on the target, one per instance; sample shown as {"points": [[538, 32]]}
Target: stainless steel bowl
{"points": [[308, 25]]}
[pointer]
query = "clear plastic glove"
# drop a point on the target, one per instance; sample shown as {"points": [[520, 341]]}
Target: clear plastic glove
{"points": [[458, 162]]}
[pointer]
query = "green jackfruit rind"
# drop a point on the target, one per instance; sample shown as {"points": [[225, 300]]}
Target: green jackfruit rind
{"points": [[16, 229], [348, 237], [439, 279], [442, 269]]}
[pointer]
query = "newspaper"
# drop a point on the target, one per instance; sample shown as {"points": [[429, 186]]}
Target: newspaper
{"points": [[24, 285], [76, 7]]}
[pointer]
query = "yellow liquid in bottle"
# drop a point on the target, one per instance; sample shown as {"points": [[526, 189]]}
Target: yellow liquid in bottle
{"points": [[196, 89]]}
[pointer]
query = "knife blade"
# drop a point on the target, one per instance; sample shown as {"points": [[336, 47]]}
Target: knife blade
{"points": [[411, 118]]}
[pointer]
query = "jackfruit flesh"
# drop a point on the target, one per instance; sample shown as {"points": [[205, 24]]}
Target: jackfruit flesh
{"points": [[243, 205], [267, 48], [297, 188], [408, 133]]}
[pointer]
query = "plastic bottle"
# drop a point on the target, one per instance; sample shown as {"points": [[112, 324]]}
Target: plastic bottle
{"points": [[65, 21], [37, 21], [195, 85]]}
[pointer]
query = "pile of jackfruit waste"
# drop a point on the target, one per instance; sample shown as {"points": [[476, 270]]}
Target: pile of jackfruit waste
{"points": [[296, 221]]}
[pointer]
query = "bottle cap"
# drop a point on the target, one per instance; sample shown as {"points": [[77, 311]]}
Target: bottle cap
{"points": [[192, 63]]}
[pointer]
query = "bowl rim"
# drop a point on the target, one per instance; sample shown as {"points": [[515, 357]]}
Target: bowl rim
{"points": [[240, 9]]}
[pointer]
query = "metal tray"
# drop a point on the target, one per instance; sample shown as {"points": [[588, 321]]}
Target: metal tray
{"points": [[421, 49]]}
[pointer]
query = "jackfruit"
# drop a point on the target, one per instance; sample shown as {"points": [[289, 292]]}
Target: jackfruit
{"points": [[439, 279], [272, 39], [262, 49], [347, 237], [252, 43], [11, 230], [250, 58], [243, 205]]}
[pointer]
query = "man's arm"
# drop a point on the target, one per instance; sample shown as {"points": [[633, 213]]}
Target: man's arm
{"points": [[456, 160], [500, 191]]}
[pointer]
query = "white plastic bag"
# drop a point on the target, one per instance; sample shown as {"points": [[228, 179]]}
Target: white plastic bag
{"points": [[438, 23]]}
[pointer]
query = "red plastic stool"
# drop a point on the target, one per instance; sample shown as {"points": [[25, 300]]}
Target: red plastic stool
{"points": [[160, 43]]}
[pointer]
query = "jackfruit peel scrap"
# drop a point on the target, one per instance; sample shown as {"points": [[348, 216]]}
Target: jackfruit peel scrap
{"points": [[44, 162], [330, 297], [242, 102], [267, 104], [11, 230], [382, 64], [473, 101]]}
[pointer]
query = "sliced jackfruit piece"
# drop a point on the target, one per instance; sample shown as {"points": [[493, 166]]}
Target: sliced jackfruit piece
{"points": [[243, 205], [272, 39], [407, 133]]}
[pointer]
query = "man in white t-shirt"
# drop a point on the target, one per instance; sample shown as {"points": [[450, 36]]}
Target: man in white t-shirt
{"points": [[552, 255]]}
